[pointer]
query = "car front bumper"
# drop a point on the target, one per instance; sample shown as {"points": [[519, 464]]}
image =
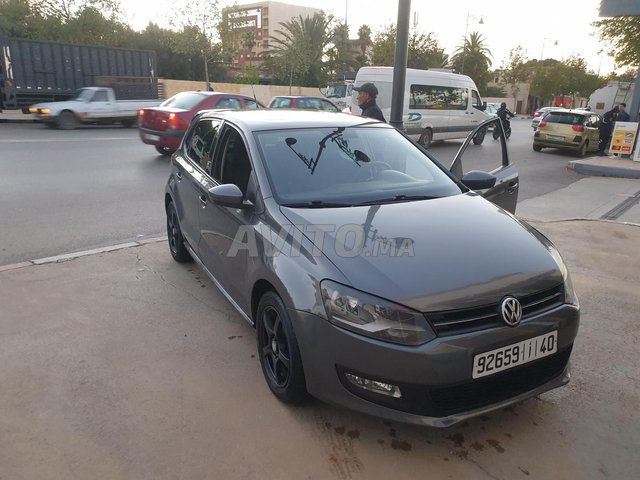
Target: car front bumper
{"points": [[435, 379]]}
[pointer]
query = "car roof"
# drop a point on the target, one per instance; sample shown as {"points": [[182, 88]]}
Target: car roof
{"points": [[213, 94], [300, 96], [276, 119]]}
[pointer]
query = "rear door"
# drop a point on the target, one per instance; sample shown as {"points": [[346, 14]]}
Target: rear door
{"points": [[492, 156]]}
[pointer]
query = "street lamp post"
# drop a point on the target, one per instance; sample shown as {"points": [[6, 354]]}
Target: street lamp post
{"points": [[464, 40], [544, 41]]}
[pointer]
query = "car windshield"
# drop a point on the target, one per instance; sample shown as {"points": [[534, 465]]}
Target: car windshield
{"points": [[185, 101], [319, 167], [564, 118]]}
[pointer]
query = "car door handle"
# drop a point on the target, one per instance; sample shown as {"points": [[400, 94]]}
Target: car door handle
{"points": [[203, 200], [512, 187], [179, 175]]}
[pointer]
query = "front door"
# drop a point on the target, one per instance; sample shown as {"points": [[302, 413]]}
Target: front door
{"points": [[493, 157]]}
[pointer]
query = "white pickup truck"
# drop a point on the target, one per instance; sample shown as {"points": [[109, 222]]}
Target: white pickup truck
{"points": [[91, 105]]}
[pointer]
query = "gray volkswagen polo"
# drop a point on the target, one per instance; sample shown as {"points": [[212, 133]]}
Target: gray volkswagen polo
{"points": [[376, 278]]}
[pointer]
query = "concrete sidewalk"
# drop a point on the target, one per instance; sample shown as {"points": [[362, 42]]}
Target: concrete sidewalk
{"points": [[127, 365]]}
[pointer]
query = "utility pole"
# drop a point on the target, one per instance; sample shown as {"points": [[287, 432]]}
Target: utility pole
{"points": [[400, 67]]}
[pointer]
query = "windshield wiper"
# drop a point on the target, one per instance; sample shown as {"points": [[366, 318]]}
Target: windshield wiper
{"points": [[317, 204], [397, 198]]}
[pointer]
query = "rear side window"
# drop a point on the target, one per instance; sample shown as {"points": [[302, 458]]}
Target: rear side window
{"points": [[233, 103], [433, 97], [201, 143], [251, 104], [281, 103]]}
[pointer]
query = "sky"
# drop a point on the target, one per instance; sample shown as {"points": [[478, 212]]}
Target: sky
{"points": [[551, 28]]}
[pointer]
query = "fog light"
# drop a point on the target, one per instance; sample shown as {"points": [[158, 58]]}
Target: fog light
{"points": [[374, 386]]}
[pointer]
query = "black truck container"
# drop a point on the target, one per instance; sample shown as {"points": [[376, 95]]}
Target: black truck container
{"points": [[33, 71]]}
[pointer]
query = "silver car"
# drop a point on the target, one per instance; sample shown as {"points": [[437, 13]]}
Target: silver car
{"points": [[376, 278]]}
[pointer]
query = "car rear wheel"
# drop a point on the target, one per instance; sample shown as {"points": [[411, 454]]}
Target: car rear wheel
{"points": [[582, 151], [537, 148], [278, 350], [426, 138], [164, 150], [479, 138], [177, 247], [67, 120]]}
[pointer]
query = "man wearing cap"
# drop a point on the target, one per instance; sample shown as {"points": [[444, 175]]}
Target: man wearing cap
{"points": [[367, 93]]}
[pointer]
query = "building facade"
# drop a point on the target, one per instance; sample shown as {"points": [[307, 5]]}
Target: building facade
{"points": [[260, 21]]}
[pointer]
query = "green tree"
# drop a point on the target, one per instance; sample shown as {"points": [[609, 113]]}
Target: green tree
{"points": [[364, 42], [297, 52], [622, 34], [198, 20], [423, 50], [340, 57], [514, 71], [473, 58]]}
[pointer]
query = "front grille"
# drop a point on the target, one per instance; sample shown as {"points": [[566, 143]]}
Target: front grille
{"points": [[467, 320], [439, 402]]}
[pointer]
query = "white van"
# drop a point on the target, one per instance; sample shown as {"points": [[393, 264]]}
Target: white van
{"points": [[438, 104]]}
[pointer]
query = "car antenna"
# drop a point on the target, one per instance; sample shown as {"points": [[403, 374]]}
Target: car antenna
{"points": [[254, 93]]}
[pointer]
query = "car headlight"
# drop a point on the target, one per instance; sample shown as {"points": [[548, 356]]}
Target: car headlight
{"points": [[569, 293], [44, 111], [374, 317], [33, 110]]}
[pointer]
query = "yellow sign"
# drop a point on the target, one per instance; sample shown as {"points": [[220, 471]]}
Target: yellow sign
{"points": [[623, 138]]}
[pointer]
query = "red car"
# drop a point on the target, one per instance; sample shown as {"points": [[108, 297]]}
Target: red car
{"points": [[164, 126]]}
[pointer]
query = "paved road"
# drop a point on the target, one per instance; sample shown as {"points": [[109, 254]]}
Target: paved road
{"points": [[67, 191]]}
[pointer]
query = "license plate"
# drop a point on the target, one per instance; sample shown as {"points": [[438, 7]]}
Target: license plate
{"points": [[500, 359], [557, 138], [154, 138]]}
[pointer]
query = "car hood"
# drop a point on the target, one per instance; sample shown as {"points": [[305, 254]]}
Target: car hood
{"points": [[453, 252], [58, 106]]}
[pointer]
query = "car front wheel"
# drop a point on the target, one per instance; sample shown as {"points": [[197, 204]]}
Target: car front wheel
{"points": [[537, 148], [278, 350]]}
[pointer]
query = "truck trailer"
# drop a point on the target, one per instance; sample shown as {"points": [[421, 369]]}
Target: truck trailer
{"points": [[35, 71]]}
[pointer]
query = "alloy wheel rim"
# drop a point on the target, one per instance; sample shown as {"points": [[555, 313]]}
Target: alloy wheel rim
{"points": [[274, 348]]}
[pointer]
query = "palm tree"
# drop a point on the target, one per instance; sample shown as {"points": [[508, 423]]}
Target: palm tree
{"points": [[298, 48], [473, 58]]}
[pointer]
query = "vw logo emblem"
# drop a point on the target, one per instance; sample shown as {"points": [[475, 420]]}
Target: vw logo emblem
{"points": [[511, 311]]}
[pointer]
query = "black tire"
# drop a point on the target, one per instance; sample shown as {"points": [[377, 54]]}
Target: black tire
{"points": [[164, 150], [479, 138], [278, 351], [537, 148], [582, 151], [426, 138], [496, 132], [67, 120], [177, 247], [508, 133]]}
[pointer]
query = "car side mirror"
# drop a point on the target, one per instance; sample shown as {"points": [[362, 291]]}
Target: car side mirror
{"points": [[227, 195], [477, 180]]}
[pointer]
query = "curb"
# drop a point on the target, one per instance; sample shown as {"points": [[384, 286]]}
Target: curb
{"points": [[85, 253], [586, 168]]}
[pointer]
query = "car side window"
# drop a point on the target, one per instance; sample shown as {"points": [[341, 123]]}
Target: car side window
{"points": [[234, 165], [233, 103], [201, 143], [328, 106], [476, 101], [251, 104], [100, 96]]}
